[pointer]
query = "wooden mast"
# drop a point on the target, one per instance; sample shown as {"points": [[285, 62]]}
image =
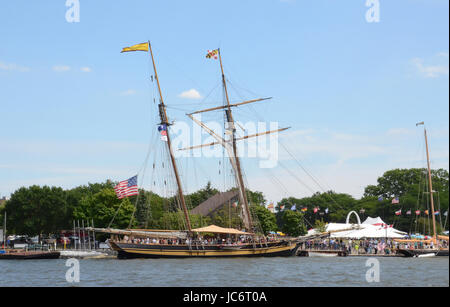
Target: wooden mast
{"points": [[231, 127], [431, 187], [165, 121]]}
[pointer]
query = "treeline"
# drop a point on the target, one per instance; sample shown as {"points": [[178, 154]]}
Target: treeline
{"points": [[410, 186], [45, 210]]}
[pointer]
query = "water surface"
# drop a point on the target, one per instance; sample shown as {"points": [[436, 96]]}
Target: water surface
{"points": [[236, 272]]}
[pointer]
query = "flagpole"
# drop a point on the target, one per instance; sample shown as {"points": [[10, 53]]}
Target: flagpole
{"points": [[165, 121]]}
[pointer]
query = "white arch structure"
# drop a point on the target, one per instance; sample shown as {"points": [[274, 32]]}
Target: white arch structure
{"points": [[348, 217]]}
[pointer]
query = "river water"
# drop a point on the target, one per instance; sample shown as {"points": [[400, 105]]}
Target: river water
{"points": [[236, 272]]}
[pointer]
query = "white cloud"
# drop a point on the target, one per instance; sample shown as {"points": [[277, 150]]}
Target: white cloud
{"points": [[61, 68], [128, 92], [191, 94], [86, 69], [13, 67], [430, 71]]}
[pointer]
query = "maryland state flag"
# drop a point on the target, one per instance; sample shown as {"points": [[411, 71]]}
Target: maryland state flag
{"points": [[212, 54], [138, 47]]}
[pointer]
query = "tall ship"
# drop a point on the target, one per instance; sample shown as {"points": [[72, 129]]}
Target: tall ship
{"points": [[247, 241], [437, 245]]}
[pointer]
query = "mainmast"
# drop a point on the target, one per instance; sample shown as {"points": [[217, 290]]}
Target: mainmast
{"points": [[230, 143], [165, 121], [231, 128], [429, 181]]}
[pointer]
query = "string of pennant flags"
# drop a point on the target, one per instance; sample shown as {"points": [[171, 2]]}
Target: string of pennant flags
{"points": [[396, 201], [294, 208]]}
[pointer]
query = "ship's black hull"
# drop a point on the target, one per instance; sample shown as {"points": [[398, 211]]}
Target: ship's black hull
{"points": [[131, 251], [419, 252]]}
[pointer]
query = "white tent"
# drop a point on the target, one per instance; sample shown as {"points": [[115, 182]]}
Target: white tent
{"points": [[369, 231], [370, 228], [374, 221]]}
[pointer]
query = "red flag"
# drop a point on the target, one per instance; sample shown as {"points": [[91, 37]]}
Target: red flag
{"points": [[399, 212]]}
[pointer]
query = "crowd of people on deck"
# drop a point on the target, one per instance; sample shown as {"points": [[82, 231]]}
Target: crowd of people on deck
{"points": [[199, 240]]}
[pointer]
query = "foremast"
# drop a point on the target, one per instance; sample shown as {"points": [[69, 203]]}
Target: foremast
{"points": [[165, 121]]}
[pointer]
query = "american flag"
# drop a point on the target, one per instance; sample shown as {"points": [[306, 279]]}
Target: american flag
{"points": [[399, 212], [127, 188], [395, 201]]}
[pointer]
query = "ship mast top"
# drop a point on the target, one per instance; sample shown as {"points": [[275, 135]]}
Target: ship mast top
{"points": [[165, 121]]}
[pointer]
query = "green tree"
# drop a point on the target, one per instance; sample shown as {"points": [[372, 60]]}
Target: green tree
{"points": [[256, 198], [196, 198], [176, 221], [38, 210], [266, 219], [291, 223], [227, 217], [103, 207], [411, 186], [320, 226]]}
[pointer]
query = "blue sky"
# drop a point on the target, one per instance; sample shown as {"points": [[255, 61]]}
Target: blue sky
{"points": [[75, 110]]}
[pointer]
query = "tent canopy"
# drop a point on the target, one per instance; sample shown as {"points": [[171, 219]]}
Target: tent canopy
{"points": [[374, 221], [217, 229], [370, 228]]}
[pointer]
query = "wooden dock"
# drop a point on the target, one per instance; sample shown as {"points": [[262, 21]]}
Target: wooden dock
{"points": [[28, 255]]}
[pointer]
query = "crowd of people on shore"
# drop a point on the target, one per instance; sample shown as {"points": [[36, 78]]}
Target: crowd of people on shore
{"points": [[368, 246]]}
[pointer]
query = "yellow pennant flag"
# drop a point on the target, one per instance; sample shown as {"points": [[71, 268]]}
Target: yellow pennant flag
{"points": [[138, 47]]}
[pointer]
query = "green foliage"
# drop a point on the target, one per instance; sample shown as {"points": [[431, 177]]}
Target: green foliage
{"points": [[195, 199], [266, 219], [43, 210], [338, 205], [176, 220], [291, 223], [149, 209], [227, 217], [411, 186], [102, 207], [37, 210], [399, 182], [256, 198], [320, 226]]}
